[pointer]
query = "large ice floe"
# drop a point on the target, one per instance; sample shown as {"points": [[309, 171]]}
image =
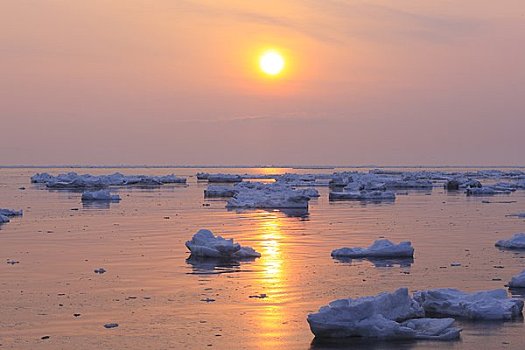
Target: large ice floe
{"points": [[5, 214], [515, 242], [205, 244], [74, 180], [483, 305], [382, 248], [517, 281], [268, 196], [100, 195], [387, 315]]}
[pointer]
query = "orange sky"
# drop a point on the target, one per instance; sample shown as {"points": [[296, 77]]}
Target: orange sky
{"points": [[176, 82]]}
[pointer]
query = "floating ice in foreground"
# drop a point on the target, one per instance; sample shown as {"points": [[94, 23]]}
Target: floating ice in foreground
{"points": [[518, 281], [387, 315], [515, 242], [363, 195], [382, 248], [483, 305], [101, 195], [205, 244], [5, 214], [518, 215]]}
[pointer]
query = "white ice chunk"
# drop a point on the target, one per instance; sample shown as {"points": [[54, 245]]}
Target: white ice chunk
{"points": [[102, 195], [74, 180], [483, 305], [515, 242], [205, 244], [382, 248], [518, 281], [518, 215], [386, 315], [3, 219], [267, 196]]}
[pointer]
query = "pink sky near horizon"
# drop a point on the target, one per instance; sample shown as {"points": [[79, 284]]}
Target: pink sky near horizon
{"points": [[175, 82]]}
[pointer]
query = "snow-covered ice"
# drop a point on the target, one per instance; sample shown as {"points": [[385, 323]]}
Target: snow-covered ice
{"points": [[483, 305], [267, 196], [382, 248], [205, 244], [518, 281], [74, 180], [387, 315], [101, 195], [517, 241]]}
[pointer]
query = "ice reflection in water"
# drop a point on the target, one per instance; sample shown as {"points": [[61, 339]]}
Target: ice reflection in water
{"points": [[401, 262], [213, 266]]}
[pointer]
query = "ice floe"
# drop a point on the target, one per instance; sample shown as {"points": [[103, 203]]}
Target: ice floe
{"points": [[74, 180], [5, 214], [517, 281], [483, 305], [517, 241], [382, 248], [268, 196], [205, 244], [387, 316], [101, 195]]}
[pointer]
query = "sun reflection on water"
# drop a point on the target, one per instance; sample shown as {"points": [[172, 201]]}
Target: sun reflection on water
{"points": [[272, 314]]}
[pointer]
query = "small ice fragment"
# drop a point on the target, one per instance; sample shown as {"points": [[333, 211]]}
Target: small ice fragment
{"points": [[205, 244], [100, 270], [455, 264], [111, 325], [515, 242], [518, 281]]}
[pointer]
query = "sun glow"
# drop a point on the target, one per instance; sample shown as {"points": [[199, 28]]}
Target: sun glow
{"points": [[271, 62]]}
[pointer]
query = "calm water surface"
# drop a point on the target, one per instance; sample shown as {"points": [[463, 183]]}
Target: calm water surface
{"points": [[161, 300]]}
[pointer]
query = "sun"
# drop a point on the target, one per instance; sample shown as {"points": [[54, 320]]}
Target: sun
{"points": [[271, 62]]}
